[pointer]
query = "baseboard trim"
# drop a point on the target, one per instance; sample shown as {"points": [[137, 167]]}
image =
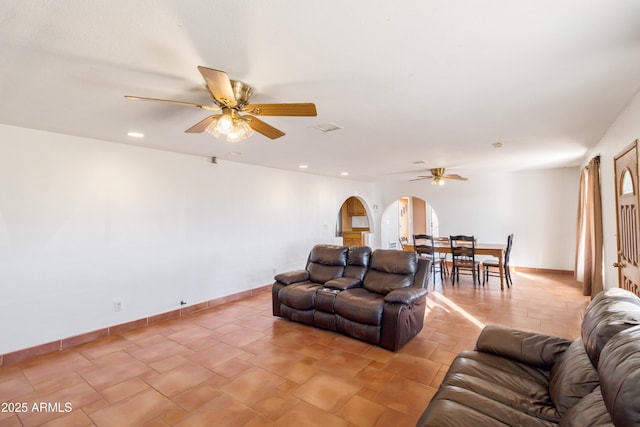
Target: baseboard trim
{"points": [[64, 343], [540, 270], [532, 269]]}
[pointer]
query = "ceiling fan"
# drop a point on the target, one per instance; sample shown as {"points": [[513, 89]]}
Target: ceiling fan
{"points": [[438, 176], [231, 97]]}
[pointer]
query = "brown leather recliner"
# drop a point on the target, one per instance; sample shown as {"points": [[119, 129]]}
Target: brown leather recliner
{"points": [[294, 292], [376, 297], [522, 378]]}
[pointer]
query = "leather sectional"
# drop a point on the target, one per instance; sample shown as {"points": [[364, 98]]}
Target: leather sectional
{"points": [[518, 378], [377, 297]]}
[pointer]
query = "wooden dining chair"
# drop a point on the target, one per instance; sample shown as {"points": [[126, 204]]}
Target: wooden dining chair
{"points": [[403, 242], [463, 254], [492, 267], [424, 246], [444, 240]]}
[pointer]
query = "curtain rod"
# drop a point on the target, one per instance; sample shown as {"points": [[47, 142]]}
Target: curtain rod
{"points": [[597, 158]]}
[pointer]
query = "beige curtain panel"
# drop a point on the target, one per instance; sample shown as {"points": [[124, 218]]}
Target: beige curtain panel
{"points": [[589, 246]]}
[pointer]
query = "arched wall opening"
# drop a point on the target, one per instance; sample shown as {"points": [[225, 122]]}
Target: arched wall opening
{"points": [[405, 217], [354, 223]]}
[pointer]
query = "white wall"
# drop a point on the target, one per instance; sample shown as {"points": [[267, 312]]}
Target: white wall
{"points": [[389, 229], [538, 206], [85, 223], [620, 135]]}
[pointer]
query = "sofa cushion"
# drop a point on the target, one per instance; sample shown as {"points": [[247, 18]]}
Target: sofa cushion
{"points": [[358, 259], [292, 277], [301, 296], [522, 387], [611, 311], [360, 305], [619, 371], [589, 411], [329, 255], [572, 377], [531, 348], [482, 389], [342, 283], [392, 261], [459, 407], [389, 270], [361, 331], [327, 262]]}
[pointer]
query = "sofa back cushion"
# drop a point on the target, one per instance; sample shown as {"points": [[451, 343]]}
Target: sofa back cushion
{"points": [[326, 262], [390, 269], [611, 311], [589, 411], [358, 259], [572, 377], [619, 372]]}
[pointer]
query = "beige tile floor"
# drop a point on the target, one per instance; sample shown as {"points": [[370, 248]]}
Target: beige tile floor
{"points": [[237, 365]]}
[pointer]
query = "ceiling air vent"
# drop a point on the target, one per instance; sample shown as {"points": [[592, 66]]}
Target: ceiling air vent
{"points": [[327, 127]]}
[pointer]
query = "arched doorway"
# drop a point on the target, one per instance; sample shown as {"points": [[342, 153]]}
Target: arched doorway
{"points": [[405, 217], [354, 222]]}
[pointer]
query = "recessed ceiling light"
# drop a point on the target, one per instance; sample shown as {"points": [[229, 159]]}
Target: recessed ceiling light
{"points": [[136, 134], [303, 166], [235, 153], [498, 144], [418, 162], [344, 173]]}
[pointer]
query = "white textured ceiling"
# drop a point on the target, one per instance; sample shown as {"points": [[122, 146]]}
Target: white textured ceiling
{"points": [[437, 81]]}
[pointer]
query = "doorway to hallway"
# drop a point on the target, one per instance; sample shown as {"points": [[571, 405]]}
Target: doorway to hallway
{"points": [[405, 217]]}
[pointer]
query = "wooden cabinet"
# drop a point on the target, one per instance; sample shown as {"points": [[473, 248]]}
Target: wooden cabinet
{"points": [[355, 208], [352, 238]]}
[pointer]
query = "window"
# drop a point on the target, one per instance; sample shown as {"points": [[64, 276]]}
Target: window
{"points": [[627, 183]]}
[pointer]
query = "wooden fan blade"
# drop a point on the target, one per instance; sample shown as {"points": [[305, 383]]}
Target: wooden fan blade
{"points": [[201, 125], [263, 128], [168, 101], [421, 178], [454, 176], [300, 109], [219, 85]]}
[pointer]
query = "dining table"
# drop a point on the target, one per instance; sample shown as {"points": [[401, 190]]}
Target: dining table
{"points": [[493, 249]]}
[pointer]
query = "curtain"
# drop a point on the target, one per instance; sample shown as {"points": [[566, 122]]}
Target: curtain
{"points": [[589, 246]]}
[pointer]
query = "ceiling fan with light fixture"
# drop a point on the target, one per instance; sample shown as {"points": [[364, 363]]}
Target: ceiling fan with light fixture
{"points": [[231, 97], [438, 176]]}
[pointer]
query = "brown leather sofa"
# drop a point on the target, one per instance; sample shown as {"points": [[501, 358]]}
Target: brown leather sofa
{"points": [[519, 378], [377, 297]]}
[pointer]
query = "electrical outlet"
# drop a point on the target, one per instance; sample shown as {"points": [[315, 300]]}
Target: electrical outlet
{"points": [[117, 306]]}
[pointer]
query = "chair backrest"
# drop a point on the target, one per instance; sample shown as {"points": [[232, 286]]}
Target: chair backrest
{"points": [[389, 270], [403, 241], [463, 247], [423, 244], [326, 262], [508, 251], [358, 259]]}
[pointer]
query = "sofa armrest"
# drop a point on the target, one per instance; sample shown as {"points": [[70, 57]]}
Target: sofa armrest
{"points": [[343, 283], [292, 277], [531, 348], [407, 295], [423, 274]]}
